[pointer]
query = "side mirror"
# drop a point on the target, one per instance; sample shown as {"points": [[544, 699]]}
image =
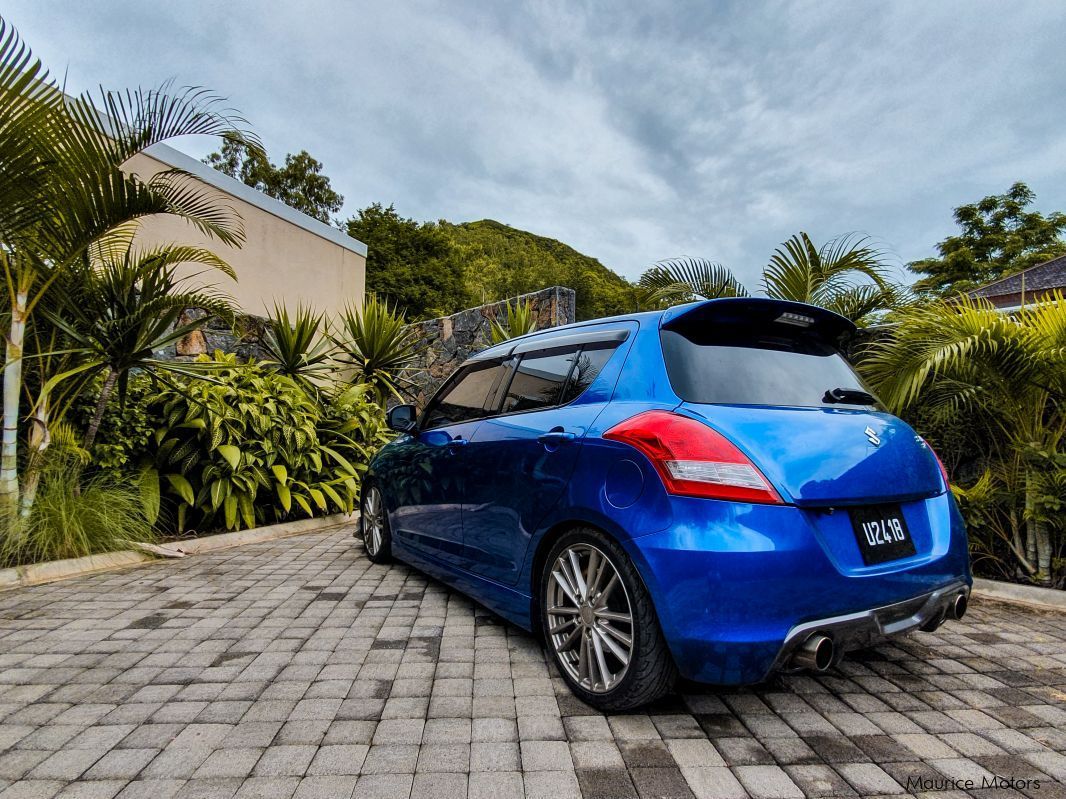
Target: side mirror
{"points": [[401, 418]]}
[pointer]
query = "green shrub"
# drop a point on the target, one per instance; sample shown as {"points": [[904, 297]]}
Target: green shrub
{"points": [[76, 514], [124, 441], [354, 424], [250, 446]]}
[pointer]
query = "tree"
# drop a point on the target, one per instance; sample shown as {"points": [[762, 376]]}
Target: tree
{"points": [[999, 237], [117, 315], [299, 184], [500, 262], [845, 275], [410, 265], [1007, 376], [73, 200]]}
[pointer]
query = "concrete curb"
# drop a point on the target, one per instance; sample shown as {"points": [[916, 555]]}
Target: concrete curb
{"points": [[1047, 598], [50, 571]]}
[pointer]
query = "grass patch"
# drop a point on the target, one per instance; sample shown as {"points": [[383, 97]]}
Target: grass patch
{"points": [[76, 515]]}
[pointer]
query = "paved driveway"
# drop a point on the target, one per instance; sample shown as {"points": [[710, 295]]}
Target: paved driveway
{"points": [[297, 668]]}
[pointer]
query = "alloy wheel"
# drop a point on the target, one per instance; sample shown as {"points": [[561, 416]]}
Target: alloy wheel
{"points": [[373, 521], [590, 620]]}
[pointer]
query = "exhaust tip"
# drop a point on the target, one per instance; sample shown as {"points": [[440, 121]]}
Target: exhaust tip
{"points": [[936, 620], [958, 606], [816, 653]]}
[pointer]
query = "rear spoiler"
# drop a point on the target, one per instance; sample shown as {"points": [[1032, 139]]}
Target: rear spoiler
{"points": [[761, 314]]}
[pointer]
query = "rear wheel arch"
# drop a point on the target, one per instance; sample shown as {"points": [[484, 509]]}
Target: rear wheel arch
{"points": [[540, 557], [650, 670]]}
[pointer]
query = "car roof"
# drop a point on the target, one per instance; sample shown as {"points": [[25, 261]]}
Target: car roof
{"points": [[729, 308]]}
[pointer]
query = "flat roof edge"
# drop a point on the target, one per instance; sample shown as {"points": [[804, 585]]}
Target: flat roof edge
{"points": [[223, 182]]}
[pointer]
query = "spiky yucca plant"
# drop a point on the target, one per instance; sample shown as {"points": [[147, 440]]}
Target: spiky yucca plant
{"points": [[521, 320], [375, 341], [299, 345]]}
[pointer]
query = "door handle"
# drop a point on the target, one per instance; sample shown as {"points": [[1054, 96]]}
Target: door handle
{"points": [[556, 436], [458, 441]]}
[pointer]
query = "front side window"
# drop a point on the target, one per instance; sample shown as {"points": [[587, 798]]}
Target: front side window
{"points": [[464, 399]]}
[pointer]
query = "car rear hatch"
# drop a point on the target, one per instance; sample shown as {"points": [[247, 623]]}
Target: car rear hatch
{"points": [[758, 371]]}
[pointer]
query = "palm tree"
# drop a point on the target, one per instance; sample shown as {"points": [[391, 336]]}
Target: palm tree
{"points": [[64, 196], [846, 275], [1007, 373], [117, 315]]}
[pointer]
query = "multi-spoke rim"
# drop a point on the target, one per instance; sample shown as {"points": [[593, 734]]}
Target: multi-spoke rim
{"points": [[590, 620], [373, 521]]}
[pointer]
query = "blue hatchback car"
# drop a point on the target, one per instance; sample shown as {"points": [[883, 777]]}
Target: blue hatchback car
{"points": [[707, 492]]}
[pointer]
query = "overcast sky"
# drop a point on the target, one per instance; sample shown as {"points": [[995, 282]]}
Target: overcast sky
{"points": [[631, 131]]}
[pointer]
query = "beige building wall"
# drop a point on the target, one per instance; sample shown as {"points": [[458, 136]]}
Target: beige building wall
{"points": [[287, 256]]}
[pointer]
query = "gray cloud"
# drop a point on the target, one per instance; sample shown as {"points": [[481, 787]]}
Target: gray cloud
{"points": [[633, 131]]}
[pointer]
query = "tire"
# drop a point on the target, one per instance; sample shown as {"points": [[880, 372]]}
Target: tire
{"points": [[585, 636], [374, 525]]}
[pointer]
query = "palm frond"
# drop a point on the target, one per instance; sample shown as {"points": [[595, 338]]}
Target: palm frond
{"points": [[28, 103], [679, 280], [967, 342], [205, 208], [124, 123], [846, 275]]}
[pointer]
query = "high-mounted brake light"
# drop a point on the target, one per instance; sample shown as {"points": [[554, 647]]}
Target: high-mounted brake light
{"points": [[694, 460], [797, 319]]}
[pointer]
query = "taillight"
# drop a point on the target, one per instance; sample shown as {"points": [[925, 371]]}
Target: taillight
{"points": [[692, 459], [940, 463]]}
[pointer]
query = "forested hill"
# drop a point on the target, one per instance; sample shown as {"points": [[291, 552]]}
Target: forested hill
{"points": [[432, 269], [500, 261]]}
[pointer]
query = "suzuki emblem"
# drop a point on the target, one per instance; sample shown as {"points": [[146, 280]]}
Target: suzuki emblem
{"points": [[872, 436]]}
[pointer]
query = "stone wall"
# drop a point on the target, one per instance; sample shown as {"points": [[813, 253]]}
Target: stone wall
{"points": [[245, 338], [446, 342], [443, 343]]}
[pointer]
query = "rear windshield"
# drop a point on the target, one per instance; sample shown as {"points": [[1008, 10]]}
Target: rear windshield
{"points": [[740, 367]]}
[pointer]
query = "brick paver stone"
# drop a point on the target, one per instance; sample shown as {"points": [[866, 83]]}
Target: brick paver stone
{"points": [[296, 669]]}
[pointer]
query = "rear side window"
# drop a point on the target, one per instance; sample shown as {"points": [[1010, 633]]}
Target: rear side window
{"points": [[539, 381], [590, 362], [738, 366], [464, 399], [548, 379]]}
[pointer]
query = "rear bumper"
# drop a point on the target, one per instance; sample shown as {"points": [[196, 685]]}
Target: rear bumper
{"points": [[868, 627], [737, 587]]}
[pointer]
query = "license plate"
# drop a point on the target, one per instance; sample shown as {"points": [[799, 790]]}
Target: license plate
{"points": [[882, 533]]}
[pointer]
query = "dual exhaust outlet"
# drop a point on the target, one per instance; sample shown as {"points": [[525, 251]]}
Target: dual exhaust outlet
{"points": [[819, 652]]}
